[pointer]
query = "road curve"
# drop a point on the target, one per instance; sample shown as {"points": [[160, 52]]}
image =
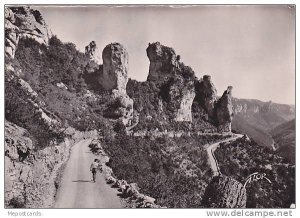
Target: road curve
{"points": [[76, 188], [210, 149]]}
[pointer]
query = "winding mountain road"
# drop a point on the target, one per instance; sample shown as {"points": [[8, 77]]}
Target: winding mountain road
{"points": [[76, 188], [210, 149]]}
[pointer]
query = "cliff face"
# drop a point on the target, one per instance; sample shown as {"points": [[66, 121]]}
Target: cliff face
{"points": [[11, 33], [115, 67], [225, 192], [114, 78], [29, 174], [224, 111], [162, 61], [219, 111], [173, 90], [24, 22], [175, 80], [92, 51], [206, 94], [186, 97]]}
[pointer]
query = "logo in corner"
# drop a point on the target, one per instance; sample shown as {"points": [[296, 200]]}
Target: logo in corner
{"points": [[256, 177]]}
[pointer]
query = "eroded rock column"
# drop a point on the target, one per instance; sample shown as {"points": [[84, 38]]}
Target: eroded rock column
{"points": [[174, 79], [224, 111], [115, 67], [114, 78], [206, 94]]}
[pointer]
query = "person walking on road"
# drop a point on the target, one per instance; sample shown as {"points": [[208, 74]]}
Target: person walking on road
{"points": [[94, 167]]}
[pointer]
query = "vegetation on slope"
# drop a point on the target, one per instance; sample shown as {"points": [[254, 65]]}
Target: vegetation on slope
{"points": [[258, 118], [284, 136], [174, 171], [241, 158], [44, 68]]}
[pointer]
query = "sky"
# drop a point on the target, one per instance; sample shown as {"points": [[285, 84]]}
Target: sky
{"points": [[250, 47]]}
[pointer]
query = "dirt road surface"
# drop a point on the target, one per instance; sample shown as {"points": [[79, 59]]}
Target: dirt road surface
{"points": [[76, 189]]}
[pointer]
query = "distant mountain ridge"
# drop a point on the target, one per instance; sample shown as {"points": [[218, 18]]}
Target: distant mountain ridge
{"points": [[257, 118]]}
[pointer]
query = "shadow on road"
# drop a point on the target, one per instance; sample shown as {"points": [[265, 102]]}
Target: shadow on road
{"points": [[82, 181]]}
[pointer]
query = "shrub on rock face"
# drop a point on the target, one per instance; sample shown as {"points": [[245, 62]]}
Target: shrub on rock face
{"points": [[120, 128], [58, 63], [243, 157], [22, 110], [120, 106]]}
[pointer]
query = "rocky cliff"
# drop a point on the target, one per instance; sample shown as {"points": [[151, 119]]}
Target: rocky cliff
{"points": [[30, 174], [225, 192], [114, 78], [176, 95], [115, 67], [162, 59], [224, 111], [21, 22], [175, 80], [206, 94], [252, 106], [174, 85], [92, 51]]}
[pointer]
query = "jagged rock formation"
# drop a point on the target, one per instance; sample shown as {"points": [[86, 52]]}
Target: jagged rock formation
{"points": [[179, 94], [225, 192], [176, 81], [220, 111], [24, 22], [162, 61], [92, 51], [206, 94], [114, 78], [11, 33], [224, 111], [115, 67], [187, 95]]}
